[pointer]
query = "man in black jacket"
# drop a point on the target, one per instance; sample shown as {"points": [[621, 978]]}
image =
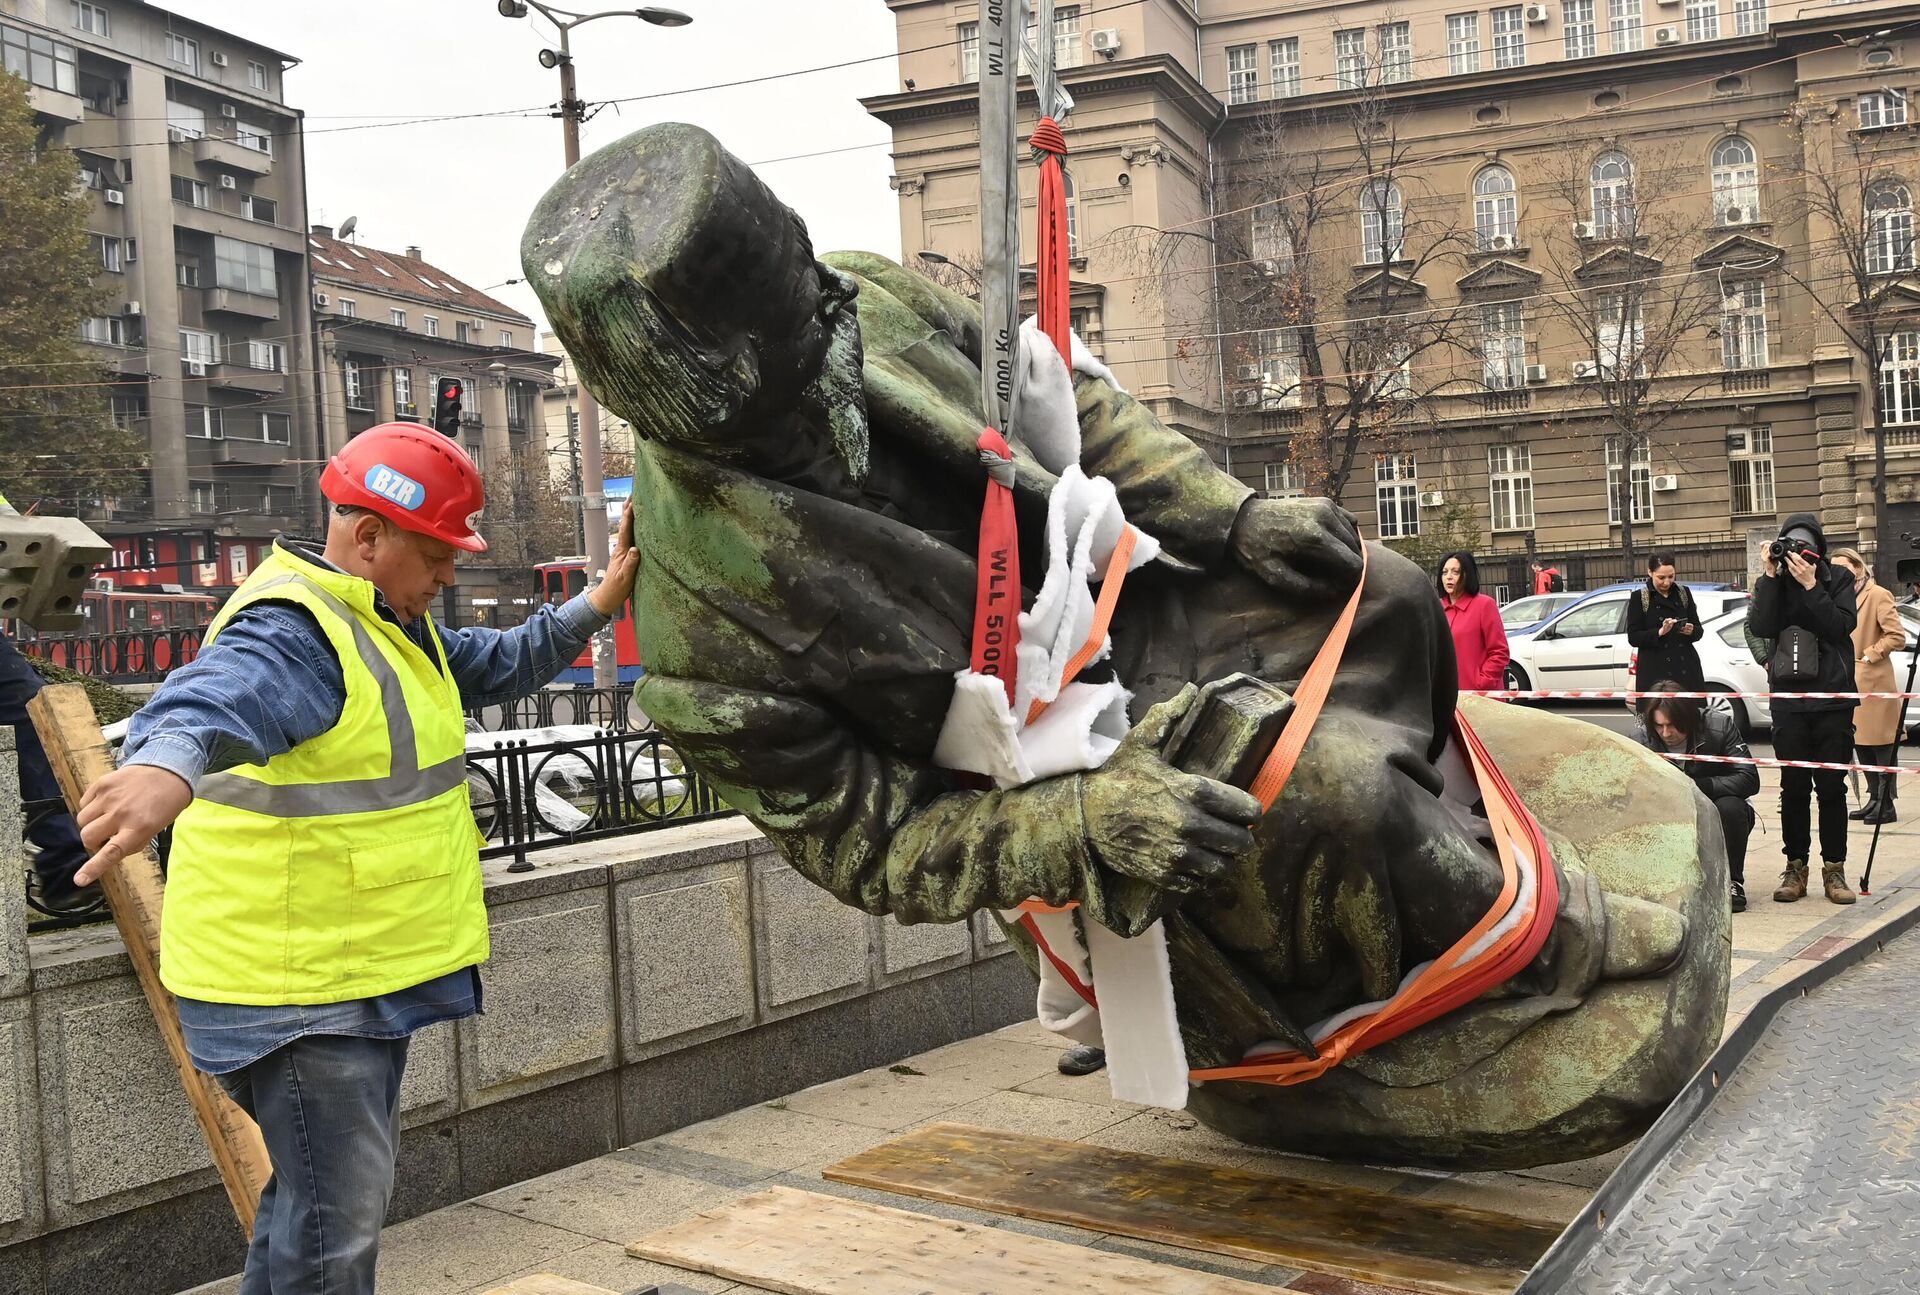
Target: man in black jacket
{"points": [[1805, 591]]}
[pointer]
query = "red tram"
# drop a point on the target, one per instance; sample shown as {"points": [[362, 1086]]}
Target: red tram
{"points": [[561, 579]]}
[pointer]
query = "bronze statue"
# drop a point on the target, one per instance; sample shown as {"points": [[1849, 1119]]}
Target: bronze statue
{"points": [[809, 494]]}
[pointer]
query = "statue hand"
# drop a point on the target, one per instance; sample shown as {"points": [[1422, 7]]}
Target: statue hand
{"points": [[1147, 820], [1303, 548]]}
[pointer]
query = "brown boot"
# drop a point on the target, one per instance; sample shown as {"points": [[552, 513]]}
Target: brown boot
{"points": [[1835, 877], [1793, 882]]}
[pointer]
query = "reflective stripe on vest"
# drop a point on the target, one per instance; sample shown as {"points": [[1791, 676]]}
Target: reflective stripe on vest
{"points": [[406, 784]]}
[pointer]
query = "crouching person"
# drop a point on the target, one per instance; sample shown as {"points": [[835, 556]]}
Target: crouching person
{"points": [[1681, 726]]}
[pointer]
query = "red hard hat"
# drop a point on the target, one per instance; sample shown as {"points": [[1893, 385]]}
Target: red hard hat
{"points": [[412, 476]]}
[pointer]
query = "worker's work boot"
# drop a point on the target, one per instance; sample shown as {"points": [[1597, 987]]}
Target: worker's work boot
{"points": [[1793, 882], [1834, 875], [1082, 1060]]}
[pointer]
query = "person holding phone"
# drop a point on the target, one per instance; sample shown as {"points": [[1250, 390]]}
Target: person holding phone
{"points": [[1664, 625]]}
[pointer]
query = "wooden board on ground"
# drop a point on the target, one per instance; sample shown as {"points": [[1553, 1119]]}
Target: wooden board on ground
{"points": [[1347, 1231], [548, 1284], [79, 755], [804, 1243]]}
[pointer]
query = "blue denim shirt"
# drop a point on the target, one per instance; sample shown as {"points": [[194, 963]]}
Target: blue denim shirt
{"points": [[270, 682]]}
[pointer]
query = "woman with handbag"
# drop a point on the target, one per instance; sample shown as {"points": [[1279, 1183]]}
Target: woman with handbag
{"points": [[1878, 633]]}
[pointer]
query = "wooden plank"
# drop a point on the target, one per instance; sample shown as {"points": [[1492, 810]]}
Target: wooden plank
{"points": [[1346, 1231], [548, 1284], [80, 756], [804, 1243]]}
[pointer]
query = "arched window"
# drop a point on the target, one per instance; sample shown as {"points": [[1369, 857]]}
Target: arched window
{"points": [[1736, 182], [1382, 222], [1612, 177], [1496, 209], [1889, 227]]}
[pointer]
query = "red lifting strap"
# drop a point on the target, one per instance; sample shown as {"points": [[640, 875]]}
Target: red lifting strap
{"points": [[996, 603], [1054, 285]]}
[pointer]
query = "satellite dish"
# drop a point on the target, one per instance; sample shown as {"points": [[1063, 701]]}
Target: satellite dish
{"points": [[348, 225]]}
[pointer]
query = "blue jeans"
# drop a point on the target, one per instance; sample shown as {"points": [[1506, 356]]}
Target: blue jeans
{"points": [[49, 826], [329, 1108]]}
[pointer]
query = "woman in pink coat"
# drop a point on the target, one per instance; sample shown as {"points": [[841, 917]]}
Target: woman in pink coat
{"points": [[1479, 639]]}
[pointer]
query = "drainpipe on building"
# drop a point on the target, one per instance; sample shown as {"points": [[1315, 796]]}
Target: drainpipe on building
{"points": [[1219, 329]]}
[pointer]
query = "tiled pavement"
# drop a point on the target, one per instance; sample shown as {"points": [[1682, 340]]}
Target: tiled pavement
{"points": [[576, 1222]]}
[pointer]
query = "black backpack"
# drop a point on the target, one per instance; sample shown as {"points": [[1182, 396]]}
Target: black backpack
{"points": [[1556, 583]]}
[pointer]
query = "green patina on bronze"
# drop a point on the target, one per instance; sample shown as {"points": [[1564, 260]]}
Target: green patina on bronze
{"points": [[809, 494]]}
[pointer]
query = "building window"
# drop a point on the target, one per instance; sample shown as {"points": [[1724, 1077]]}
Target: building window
{"points": [[1900, 377], [1349, 59], [1067, 47], [1889, 228], [252, 135], [1618, 335], [198, 346], [38, 60], [462, 331], [1510, 481], [104, 330], [256, 75], [107, 249], [403, 388], [1396, 492], [246, 267], [1703, 19], [190, 191], [183, 50], [1578, 30], [356, 394], [1496, 209], [1382, 222], [1280, 368], [1743, 326], [264, 210], [1270, 241], [1396, 52], [1285, 481], [1749, 17], [1510, 36], [270, 357], [1736, 181], [1503, 345], [1463, 43], [1243, 73], [1640, 483], [1284, 58], [431, 323], [1624, 29], [969, 51], [1881, 108], [1612, 191], [349, 308], [200, 495], [397, 317], [186, 120], [91, 19], [1750, 469], [187, 272], [506, 335]]}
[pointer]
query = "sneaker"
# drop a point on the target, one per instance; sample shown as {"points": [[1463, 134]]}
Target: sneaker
{"points": [[1739, 897], [1082, 1060]]}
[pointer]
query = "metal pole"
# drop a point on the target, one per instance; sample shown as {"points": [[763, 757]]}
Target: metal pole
{"points": [[593, 498], [1866, 878], [1000, 37]]}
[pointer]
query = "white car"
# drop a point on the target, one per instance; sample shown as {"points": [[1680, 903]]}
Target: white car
{"points": [[1525, 613], [1585, 647], [1730, 667]]}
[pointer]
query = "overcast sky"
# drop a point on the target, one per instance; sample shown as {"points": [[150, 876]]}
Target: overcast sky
{"points": [[462, 190]]}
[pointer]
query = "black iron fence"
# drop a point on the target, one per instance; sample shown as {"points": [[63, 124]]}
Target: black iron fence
{"points": [[534, 796], [136, 656], [1710, 561], [609, 708]]}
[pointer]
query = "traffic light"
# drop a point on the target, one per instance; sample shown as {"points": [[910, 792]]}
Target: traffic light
{"points": [[446, 406]]}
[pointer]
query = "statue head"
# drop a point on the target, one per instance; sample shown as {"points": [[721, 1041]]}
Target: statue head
{"points": [[689, 298]]}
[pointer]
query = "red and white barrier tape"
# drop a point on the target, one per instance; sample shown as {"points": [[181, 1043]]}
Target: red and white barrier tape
{"points": [[1767, 762], [1629, 694]]}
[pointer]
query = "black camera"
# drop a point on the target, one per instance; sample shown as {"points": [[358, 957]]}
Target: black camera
{"points": [[1796, 540]]}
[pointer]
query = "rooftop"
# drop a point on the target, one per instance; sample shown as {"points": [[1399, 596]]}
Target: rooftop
{"points": [[397, 274]]}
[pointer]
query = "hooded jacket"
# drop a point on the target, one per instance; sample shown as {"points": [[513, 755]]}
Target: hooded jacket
{"points": [[1827, 610]]}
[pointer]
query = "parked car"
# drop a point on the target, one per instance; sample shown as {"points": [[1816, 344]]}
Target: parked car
{"points": [[1585, 646], [1730, 667], [1525, 613]]}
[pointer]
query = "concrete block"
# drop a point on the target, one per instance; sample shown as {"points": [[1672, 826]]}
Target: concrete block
{"points": [[685, 943], [172, 1244], [810, 946], [923, 947], [117, 1129], [1003, 993], [14, 974], [989, 939], [506, 1142], [431, 1087], [426, 1173], [21, 1206], [45, 563], [549, 999], [696, 845]]}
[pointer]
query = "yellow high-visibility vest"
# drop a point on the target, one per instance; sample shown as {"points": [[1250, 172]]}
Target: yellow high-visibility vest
{"points": [[348, 866]]}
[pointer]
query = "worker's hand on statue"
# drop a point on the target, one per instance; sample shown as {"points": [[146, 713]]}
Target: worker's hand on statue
{"points": [[1802, 571], [1147, 820], [1303, 548], [124, 811], [616, 586]]}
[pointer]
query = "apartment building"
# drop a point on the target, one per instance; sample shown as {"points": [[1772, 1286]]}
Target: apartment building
{"points": [[561, 414], [196, 172], [1526, 276]]}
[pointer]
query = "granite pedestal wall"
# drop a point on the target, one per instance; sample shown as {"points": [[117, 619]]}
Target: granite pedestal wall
{"points": [[636, 985]]}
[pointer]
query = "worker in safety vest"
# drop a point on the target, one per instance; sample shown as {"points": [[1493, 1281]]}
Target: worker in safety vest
{"points": [[324, 888]]}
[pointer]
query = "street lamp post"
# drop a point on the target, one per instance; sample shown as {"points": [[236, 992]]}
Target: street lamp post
{"points": [[593, 498]]}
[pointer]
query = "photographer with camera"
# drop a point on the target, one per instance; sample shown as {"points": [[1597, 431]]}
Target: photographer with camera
{"points": [[1805, 604]]}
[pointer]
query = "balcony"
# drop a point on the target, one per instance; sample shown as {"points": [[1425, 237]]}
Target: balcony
{"points": [[231, 301], [223, 216], [55, 107], [244, 377], [231, 155], [1744, 380], [1506, 401], [259, 453]]}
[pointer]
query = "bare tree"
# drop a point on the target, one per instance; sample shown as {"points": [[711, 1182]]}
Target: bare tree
{"points": [[529, 518]]}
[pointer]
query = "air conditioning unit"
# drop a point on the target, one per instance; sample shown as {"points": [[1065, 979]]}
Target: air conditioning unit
{"points": [[133, 308], [1500, 243], [228, 182], [115, 198], [1581, 229], [176, 136], [1537, 14], [322, 300], [101, 584], [1248, 373], [1666, 36], [1246, 399], [196, 368], [1740, 215], [218, 60], [1585, 369], [1536, 373], [1666, 484], [1105, 40], [1432, 498]]}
